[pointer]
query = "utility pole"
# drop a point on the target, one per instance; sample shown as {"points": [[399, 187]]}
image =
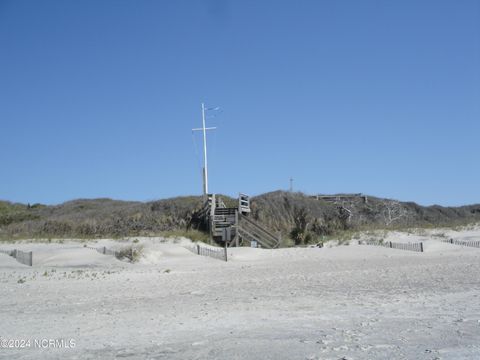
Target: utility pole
{"points": [[291, 184], [205, 162]]}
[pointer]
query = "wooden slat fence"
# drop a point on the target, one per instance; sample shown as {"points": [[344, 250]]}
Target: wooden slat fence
{"points": [[418, 247], [23, 257], [220, 253], [6, 252], [103, 250], [463, 243]]}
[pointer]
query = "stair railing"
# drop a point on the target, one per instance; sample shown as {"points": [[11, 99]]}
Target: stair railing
{"points": [[252, 227]]}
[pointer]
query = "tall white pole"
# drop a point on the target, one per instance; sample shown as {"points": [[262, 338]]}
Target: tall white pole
{"points": [[205, 163], [205, 168]]}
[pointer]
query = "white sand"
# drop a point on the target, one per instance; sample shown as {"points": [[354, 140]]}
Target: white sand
{"points": [[354, 302]]}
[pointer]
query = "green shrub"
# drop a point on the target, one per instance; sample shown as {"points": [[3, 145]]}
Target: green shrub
{"points": [[300, 234]]}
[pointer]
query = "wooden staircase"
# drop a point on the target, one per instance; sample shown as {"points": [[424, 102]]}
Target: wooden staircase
{"points": [[251, 231], [233, 227]]}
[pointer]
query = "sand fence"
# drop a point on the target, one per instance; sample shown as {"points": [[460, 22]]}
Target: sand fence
{"points": [[462, 243], [103, 250], [418, 247], [26, 257], [219, 253], [23, 257]]}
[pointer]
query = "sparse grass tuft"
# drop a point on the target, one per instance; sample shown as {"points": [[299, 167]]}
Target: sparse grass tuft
{"points": [[130, 253]]}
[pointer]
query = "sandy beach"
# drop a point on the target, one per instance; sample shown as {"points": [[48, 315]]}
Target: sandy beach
{"points": [[336, 302]]}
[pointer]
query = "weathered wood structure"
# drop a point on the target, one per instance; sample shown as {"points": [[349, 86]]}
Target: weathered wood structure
{"points": [[232, 226], [341, 197]]}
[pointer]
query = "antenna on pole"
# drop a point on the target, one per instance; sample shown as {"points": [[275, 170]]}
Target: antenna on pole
{"points": [[291, 184], [205, 162]]}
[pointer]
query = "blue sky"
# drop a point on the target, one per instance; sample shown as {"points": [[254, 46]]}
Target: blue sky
{"points": [[98, 98]]}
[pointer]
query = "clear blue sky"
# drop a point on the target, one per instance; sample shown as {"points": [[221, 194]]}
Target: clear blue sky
{"points": [[98, 98]]}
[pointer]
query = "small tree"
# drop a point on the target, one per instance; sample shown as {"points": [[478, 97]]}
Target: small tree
{"points": [[393, 211]]}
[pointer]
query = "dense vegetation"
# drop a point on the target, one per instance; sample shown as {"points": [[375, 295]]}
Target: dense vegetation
{"points": [[297, 216], [306, 219]]}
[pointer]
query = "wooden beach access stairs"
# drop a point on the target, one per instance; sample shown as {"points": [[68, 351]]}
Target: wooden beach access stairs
{"points": [[232, 226]]}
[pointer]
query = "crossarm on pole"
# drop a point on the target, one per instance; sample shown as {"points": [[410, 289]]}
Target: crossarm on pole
{"points": [[201, 129]]}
